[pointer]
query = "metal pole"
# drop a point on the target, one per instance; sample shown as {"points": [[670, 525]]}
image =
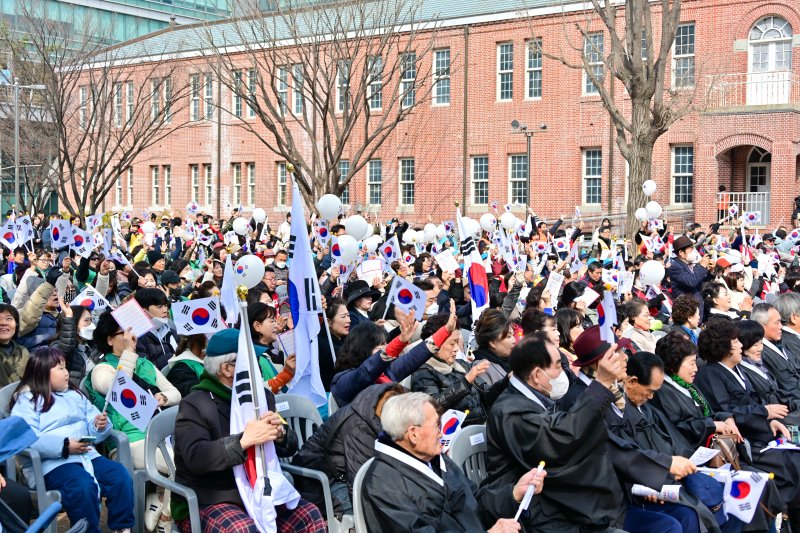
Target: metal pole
{"points": [[16, 145], [528, 135]]}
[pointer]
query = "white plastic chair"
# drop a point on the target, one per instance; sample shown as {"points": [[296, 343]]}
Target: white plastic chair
{"points": [[468, 450], [358, 506], [301, 414]]}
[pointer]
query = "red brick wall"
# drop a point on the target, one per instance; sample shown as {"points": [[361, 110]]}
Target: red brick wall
{"points": [[434, 136]]}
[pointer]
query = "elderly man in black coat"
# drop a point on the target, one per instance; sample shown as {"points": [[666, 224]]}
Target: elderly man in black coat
{"points": [[686, 275], [411, 486]]}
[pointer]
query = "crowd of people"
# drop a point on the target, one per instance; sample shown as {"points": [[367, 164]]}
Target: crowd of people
{"points": [[610, 377]]}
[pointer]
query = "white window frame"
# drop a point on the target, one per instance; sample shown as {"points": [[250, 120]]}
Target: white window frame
{"points": [[208, 96], [375, 80], [674, 174], [130, 186], [595, 61], [167, 185], [154, 184], [473, 178], [408, 79], [514, 178], [298, 100], [83, 94], [251, 184], [129, 95], [236, 94], [118, 191], [118, 105], [236, 179], [155, 99], [343, 70], [586, 176], [374, 184], [252, 81], [194, 171], [505, 72], [194, 108], [209, 179], [441, 77], [532, 68], [282, 184], [688, 56], [282, 88], [344, 172], [166, 84], [403, 181]]}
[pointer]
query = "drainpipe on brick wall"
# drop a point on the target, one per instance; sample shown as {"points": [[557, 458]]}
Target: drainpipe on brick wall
{"points": [[219, 146], [464, 155]]}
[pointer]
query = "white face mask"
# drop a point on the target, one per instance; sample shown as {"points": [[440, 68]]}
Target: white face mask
{"points": [[692, 256], [280, 264], [87, 333], [558, 386], [158, 322], [432, 309]]}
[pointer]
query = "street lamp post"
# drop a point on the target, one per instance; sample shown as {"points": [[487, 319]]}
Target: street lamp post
{"points": [[523, 129], [17, 88]]}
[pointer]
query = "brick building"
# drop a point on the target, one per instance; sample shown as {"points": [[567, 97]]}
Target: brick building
{"points": [[742, 58]]}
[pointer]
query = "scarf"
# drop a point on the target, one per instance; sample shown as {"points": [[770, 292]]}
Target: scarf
{"points": [[695, 394], [759, 365], [214, 386], [619, 396]]}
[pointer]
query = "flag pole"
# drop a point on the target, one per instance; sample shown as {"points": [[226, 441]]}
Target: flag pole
{"points": [[255, 376]]}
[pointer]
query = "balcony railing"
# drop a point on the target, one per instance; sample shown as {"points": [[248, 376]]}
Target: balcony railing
{"points": [[753, 89], [747, 202]]}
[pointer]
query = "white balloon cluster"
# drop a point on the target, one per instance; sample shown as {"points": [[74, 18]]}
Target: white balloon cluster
{"points": [[653, 209]]}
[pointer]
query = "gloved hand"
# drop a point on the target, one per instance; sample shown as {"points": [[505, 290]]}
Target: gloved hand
{"points": [[53, 274]]}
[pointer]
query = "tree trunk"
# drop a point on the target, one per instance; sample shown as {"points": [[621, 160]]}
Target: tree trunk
{"points": [[640, 158]]}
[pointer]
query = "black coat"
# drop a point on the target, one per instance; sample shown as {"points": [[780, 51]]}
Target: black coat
{"points": [[785, 373], [767, 391], [400, 498], [453, 391], [155, 350], [581, 486], [326, 358], [342, 444], [206, 452]]}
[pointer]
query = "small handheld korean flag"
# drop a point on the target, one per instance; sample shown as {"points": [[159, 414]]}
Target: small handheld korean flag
{"points": [[607, 317], [93, 222], [752, 217], [9, 237], [90, 299], [131, 401], [321, 232], [336, 253], [452, 421], [82, 242], [742, 493], [197, 316], [24, 229], [60, 233], [407, 297]]}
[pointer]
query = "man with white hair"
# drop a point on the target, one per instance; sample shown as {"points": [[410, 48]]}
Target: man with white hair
{"points": [[411, 486], [779, 361], [206, 452], [788, 305]]}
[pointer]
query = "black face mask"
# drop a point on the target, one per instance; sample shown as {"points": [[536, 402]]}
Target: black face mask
{"points": [[175, 293]]}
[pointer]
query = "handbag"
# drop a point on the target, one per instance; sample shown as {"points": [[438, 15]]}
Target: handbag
{"points": [[728, 453]]}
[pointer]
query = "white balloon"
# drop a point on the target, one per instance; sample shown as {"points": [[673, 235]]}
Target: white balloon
{"points": [[328, 206], [488, 222], [641, 214], [508, 220], [430, 232], [240, 226], [409, 236], [441, 232], [651, 273], [149, 227], [649, 187], [371, 243], [653, 209], [248, 271], [472, 227], [348, 249], [259, 215], [357, 227]]}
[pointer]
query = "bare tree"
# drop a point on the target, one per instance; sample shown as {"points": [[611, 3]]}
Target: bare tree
{"points": [[326, 83], [641, 63], [101, 110]]}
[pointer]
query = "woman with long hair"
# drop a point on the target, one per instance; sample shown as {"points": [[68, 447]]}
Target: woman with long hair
{"points": [[67, 425], [570, 325]]}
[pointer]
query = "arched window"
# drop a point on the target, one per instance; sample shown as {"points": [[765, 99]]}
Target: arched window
{"points": [[771, 45]]}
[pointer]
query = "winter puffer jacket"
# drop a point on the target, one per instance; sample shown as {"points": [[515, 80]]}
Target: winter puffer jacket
{"points": [[448, 385], [81, 357], [341, 445]]}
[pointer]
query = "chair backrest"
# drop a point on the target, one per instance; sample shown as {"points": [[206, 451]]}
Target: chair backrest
{"points": [[332, 405], [358, 505], [5, 398], [468, 450], [300, 413], [82, 386], [160, 428]]}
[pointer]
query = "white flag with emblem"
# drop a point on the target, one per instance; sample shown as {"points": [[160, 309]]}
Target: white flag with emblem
{"points": [[407, 297], [197, 316], [131, 401]]}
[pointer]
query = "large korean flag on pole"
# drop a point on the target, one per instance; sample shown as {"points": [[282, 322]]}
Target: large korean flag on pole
{"points": [[306, 305], [261, 484]]}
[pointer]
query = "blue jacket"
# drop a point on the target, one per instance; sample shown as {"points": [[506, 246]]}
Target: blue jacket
{"points": [[70, 416], [685, 280], [347, 384], [46, 331]]}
